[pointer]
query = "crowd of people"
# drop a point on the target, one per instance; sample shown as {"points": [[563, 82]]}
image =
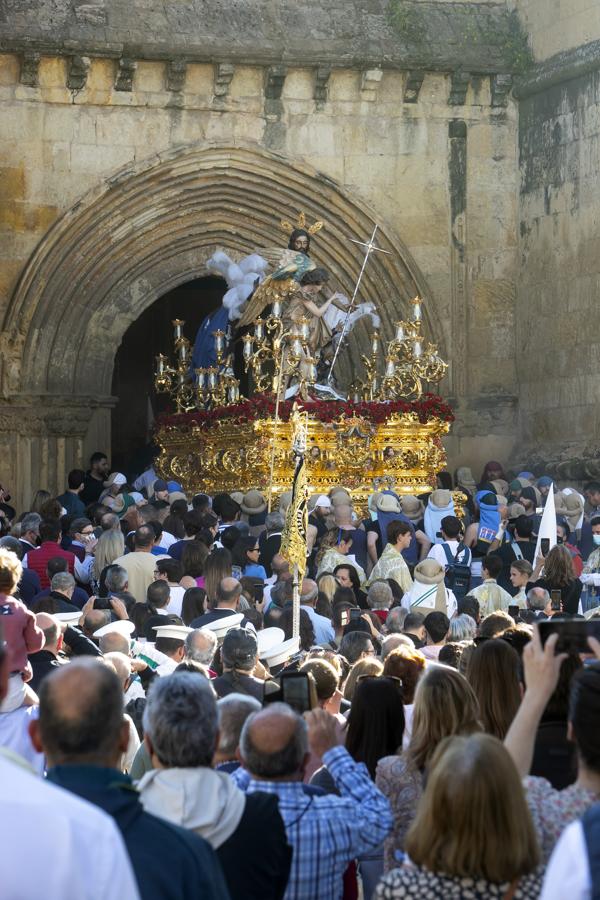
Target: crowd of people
{"points": [[165, 733]]}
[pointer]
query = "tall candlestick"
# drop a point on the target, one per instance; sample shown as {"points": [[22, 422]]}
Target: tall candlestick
{"points": [[178, 328]]}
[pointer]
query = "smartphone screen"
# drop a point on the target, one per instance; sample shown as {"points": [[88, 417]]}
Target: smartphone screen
{"points": [[344, 617], [545, 546], [556, 598], [572, 633], [295, 691], [259, 590], [355, 614]]}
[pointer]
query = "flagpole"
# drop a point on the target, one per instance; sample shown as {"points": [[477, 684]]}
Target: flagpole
{"points": [[276, 423]]}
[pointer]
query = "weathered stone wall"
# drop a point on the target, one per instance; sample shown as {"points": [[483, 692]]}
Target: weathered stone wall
{"points": [[557, 25], [558, 338], [367, 121]]}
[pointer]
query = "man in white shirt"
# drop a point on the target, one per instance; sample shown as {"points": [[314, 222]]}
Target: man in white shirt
{"points": [[451, 529], [140, 564], [568, 873], [48, 834]]}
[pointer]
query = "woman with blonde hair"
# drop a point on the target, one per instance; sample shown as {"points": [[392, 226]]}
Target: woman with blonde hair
{"points": [[39, 498], [110, 546], [473, 836], [445, 704], [327, 585], [367, 666]]}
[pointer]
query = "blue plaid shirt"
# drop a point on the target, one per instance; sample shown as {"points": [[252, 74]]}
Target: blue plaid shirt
{"points": [[327, 832]]}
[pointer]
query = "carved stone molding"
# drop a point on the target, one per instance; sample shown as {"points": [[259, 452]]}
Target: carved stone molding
{"points": [[501, 86], [412, 86], [125, 71], [459, 85], [77, 72], [224, 73], [30, 65], [369, 84], [175, 74], [321, 91], [274, 81]]}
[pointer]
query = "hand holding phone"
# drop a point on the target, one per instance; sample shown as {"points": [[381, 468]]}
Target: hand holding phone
{"points": [[572, 634], [298, 690], [545, 547]]}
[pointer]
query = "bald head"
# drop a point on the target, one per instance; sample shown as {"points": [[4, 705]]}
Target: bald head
{"points": [[94, 620], [274, 744], [52, 631], [81, 715], [228, 593], [122, 666], [114, 642]]}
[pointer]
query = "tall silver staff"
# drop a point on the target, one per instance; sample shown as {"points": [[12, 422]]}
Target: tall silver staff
{"points": [[370, 247]]}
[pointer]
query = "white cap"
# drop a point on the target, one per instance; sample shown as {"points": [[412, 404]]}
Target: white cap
{"points": [[269, 638], [121, 626], [139, 498], [178, 632], [67, 616], [221, 626], [323, 501], [115, 478], [280, 653]]}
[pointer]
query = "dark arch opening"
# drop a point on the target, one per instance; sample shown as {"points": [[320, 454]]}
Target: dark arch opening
{"points": [[133, 377]]}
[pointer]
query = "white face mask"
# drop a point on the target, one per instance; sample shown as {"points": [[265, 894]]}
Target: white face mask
{"points": [[596, 539]]}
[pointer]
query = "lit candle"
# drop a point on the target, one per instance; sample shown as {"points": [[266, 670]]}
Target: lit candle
{"points": [[416, 313], [219, 337], [390, 369], [248, 341], [303, 323], [183, 349], [417, 349], [178, 328], [276, 309], [297, 346], [399, 331], [212, 378], [160, 363], [375, 343], [200, 377], [259, 329]]}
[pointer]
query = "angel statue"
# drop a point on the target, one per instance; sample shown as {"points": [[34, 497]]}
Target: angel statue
{"points": [[294, 281]]}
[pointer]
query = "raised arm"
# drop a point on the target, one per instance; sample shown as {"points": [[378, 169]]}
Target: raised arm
{"points": [[542, 669]]}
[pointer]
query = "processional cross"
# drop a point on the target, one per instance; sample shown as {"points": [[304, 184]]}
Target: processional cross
{"points": [[370, 248]]}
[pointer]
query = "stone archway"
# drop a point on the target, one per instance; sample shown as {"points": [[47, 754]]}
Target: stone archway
{"points": [[144, 231]]}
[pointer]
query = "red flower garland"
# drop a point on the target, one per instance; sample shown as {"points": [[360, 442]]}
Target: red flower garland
{"points": [[262, 406]]}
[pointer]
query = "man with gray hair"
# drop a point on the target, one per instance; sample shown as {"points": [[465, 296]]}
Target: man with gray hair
{"points": [[233, 711], [539, 605], [201, 646], [30, 531], [59, 599], [394, 624], [324, 631], [392, 642], [247, 832], [326, 832]]}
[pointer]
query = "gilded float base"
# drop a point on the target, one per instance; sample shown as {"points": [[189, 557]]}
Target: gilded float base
{"points": [[402, 453]]}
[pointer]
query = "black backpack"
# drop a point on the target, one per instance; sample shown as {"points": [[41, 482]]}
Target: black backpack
{"points": [[458, 574]]}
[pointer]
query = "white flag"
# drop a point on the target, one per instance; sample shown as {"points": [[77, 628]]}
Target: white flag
{"points": [[548, 524]]}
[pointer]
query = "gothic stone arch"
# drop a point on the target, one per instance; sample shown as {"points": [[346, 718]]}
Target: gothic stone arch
{"points": [[141, 233]]}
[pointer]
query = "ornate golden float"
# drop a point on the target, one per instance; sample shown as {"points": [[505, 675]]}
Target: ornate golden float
{"points": [[388, 435], [362, 446]]}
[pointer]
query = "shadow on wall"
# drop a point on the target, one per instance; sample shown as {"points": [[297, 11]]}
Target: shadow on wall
{"points": [[133, 377]]}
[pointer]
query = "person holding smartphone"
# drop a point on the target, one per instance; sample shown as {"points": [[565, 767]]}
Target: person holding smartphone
{"points": [[555, 572]]}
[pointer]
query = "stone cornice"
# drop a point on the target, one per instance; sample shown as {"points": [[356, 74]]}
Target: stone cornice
{"points": [[420, 35], [559, 68]]}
